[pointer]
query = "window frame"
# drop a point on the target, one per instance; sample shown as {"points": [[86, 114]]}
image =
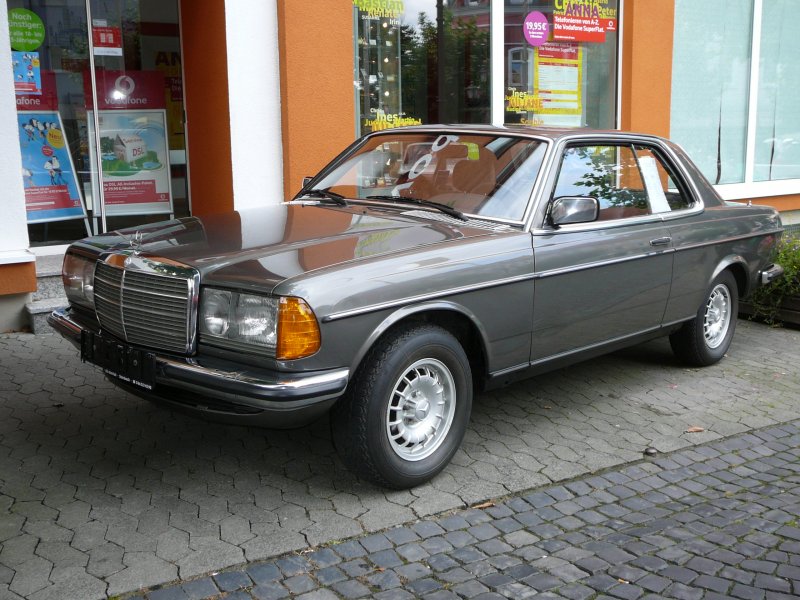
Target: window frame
{"points": [[539, 224]]}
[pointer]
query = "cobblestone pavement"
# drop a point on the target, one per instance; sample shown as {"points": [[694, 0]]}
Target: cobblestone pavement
{"points": [[103, 494], [716, 521]]}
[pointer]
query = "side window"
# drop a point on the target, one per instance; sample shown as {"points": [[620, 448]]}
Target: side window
{"points": [[662, 187], [609, 173]]}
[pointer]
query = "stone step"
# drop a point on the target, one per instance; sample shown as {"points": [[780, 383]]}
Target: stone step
{"points": [[48, 277], [48, 286], [38, 310]]}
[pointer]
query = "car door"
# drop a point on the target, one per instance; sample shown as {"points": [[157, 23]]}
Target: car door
{"points": [[608, 279]]}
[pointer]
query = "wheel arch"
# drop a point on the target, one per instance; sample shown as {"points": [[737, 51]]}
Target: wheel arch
{"points": [[737, 265], [454, 318]]}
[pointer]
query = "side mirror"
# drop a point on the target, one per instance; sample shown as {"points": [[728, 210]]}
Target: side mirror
{"points": [[306, 181], [574, 209]]}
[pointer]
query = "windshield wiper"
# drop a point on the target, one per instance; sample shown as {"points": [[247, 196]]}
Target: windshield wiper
{"points": [[448, 210], [325, 193]]}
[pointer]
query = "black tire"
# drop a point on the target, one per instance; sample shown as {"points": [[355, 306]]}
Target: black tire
{"points": [[389, 395], [702, 342]]}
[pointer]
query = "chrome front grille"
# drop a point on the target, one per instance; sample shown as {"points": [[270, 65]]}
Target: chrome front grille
{"points": [[144, 307]]}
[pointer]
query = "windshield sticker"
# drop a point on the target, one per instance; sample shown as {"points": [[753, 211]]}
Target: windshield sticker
{"points": [[418, 168]]}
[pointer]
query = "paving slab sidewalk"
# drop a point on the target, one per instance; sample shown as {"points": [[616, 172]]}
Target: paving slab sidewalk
{"points": [[104, 494], [716, 521]]}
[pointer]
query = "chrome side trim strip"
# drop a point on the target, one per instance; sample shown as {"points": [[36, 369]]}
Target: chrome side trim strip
{"points": [[726, 240], [424, 297], [599, 263]]}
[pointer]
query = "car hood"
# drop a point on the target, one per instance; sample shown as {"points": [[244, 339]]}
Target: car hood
{"points": [[260, 248]]}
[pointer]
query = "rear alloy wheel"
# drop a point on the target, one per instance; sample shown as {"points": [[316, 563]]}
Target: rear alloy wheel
{"points": [[407, 408], [705, 339]]}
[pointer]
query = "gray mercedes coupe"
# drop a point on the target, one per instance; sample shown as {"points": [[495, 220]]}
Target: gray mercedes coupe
{"points": [[422, 265]]}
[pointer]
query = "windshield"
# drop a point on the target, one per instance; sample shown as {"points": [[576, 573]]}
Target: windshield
{"points": [[482, 175]]}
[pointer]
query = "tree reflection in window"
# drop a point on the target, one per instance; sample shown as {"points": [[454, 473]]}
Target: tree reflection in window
{"points": [[608, 173]]}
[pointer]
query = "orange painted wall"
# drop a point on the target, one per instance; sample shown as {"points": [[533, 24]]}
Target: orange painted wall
{"points": [[205, 84], [647, 65], [17, 278], [782, 203], [315, 40]]}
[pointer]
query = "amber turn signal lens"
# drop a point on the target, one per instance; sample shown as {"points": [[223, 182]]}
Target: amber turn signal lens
{"points": [[298, 331]]}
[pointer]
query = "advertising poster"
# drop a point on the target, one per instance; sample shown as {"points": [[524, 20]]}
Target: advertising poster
{"points": [[134, 156], [583, 20], [134, 160], [27, 73], [51, 185], [558, 84]]}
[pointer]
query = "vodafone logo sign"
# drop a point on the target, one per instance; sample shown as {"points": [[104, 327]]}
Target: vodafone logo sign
{"points": [[127, 89], [124, 85], [122, 94]]}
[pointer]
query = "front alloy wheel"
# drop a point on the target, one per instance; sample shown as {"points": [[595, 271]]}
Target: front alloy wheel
{"points": [[421, 409], [407, 408]]}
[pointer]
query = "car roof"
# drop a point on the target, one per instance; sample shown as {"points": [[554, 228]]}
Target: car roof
{"points": [[553, 133]]}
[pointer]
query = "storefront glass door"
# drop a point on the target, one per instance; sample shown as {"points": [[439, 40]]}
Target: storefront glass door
{"points": [[88, 170]]}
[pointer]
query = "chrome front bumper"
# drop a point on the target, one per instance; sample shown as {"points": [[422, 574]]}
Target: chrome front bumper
{"points": [[219, 387]]}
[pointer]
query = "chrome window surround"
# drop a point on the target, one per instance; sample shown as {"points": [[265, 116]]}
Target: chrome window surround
{"points": [[610, 138]]}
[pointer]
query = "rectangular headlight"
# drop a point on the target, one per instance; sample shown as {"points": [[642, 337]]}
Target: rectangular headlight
{"points": [[234, 319], [77, 274]]}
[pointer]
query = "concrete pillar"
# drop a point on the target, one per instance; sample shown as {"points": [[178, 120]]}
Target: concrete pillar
{"points": [[255, 102]]}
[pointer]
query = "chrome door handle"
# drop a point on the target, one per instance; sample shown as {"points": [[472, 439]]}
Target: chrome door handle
{"points": [[662, 241]]}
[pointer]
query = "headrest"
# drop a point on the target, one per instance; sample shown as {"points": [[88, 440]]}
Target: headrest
{"points": [[475, 176]]}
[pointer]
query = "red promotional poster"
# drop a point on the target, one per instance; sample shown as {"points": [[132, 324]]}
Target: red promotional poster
{"points": [[107, 41], [578, 29], [50, 198], [583, 20], [133, 192]]}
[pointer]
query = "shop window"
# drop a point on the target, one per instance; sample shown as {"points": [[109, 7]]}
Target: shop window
{"points": [[777, 139], [123, 159], [421, 62], [561, 63], [734, 104], [710, 75]]}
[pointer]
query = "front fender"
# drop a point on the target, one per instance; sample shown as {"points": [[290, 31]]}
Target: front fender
{"points": [[423, 311]]}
